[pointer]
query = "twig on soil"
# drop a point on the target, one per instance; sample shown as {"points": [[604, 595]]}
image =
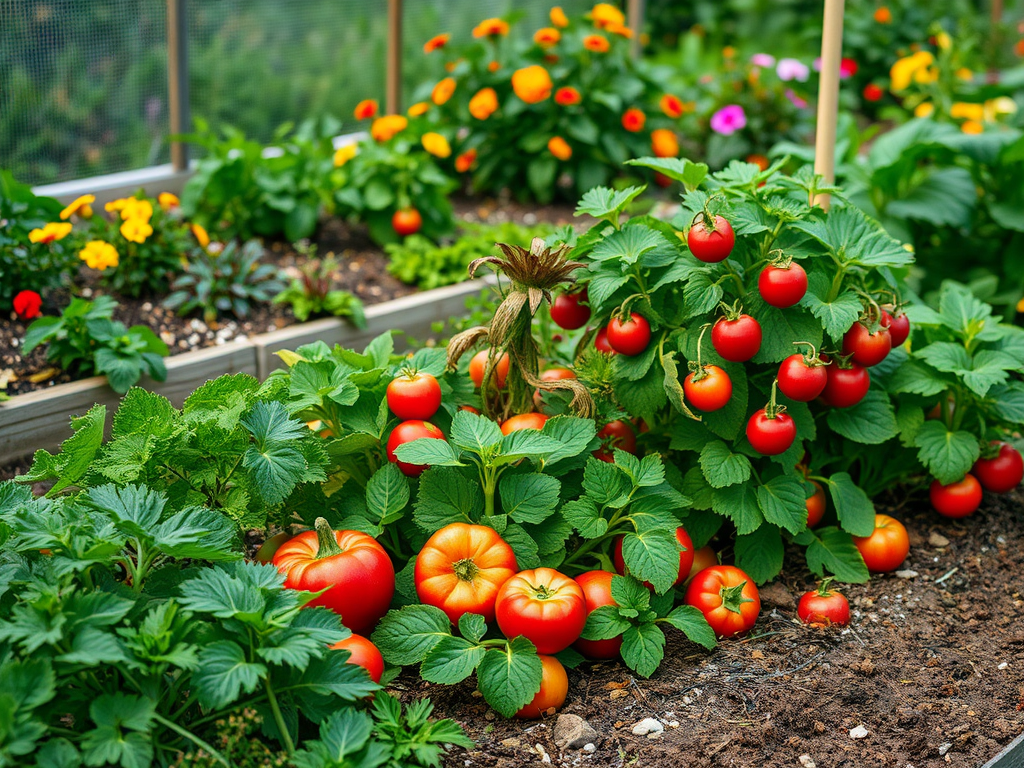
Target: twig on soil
{"points": [[777, 673], [947, 575]]}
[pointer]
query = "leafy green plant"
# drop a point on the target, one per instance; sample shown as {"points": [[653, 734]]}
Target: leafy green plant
{"points": [[311, 293], [230, 280], [86, 339]]}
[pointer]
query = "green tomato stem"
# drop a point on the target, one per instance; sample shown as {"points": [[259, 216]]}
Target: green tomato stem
{"points": [[327, 543]]}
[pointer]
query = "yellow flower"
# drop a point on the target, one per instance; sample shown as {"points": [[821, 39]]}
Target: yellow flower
{"points": [[343, 154], [81, 206], [1001, 105], [490, 28], [908, 69], [51, 232], [98, 254], [168, 201], [606, 15], [965, 73], [967, 111], [1020, 305], [971, 126], [443, 91], [596, 43], [943, 41], [729, 52], [483, 104], [621, 30], [116, 205], [137, 209], [924, 109], [558, 17], [546, 36], [417, 109], [136, 230], [386, 127], [436, 144], [200, 235], [559, 147], [532, 84]]}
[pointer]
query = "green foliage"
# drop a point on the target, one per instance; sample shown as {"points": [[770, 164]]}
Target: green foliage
{"points": [[86, 339], [311, 293]]}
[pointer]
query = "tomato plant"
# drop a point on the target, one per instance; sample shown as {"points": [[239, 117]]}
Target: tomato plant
{"points": [[727, 597], [1002, 471], [414, 395], [887, 546], [597, 591], [802, 377], [363, 654], [865, 346], [569, 310], [846, 384], [709, 388], [554, 687], [407, 432], [685, 556], [898, 325], [544, 606], [824, 606], [710, 238], [958, 499]]}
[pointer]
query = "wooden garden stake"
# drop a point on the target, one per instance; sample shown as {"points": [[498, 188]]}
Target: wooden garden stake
{"points": [[393, 86], [828, 97]]}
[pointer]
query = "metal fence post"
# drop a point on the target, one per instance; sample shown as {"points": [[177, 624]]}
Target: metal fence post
{"points": [[635, 21], [177, 79], [393, 90]]}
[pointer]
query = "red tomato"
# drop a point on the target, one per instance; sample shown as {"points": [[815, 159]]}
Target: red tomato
{"points": [[710, 392], [815, 505], [469, 408], [727, 597], [597, 591], [704, 557], [866, 348], [1003, 472], [845, 387], [364, 654], [523, 421], [685, 557], [771, 436], [478, 366], [899, 327], [615, 434], [406, 432], [711, 245], [800, 381], [630, 337], [887, 547], [782, 286], [354, 568], [406, 221], [461, 568], [736, 340], [823, 606], [544, 606], [662, 180], [568, 311], [601, 342], [414, 396], [554, 687], [958, 499]]}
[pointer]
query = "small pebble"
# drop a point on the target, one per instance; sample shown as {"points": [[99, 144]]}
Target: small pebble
{"points": [[860, 732], [906, 574], [807, 762], [938, 540], [1004, 665], [945, 748], [648, 727], [590, 748]]}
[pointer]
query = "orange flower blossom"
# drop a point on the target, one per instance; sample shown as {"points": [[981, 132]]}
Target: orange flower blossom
{"points": [[366, 109], [664, 143], [596, 43], [417, 109], [671, 105], [436, 144], [98, 254], [443, 91], [532, 84], [483, 104], [558, 17], [51, 232], [436, 42], [168, 201], [546, 36], [490, 28], [465, 161], [559, 147], [386, 127], [567, 95], [605, 15]]}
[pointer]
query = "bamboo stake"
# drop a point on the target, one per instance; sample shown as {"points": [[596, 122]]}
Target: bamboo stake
{"points": [[635, 20], [828, 97], [393, 85]]}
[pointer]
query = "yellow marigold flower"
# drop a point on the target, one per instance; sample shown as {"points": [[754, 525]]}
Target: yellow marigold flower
{"points": [[344, 153], [81, 206], [1020, 305], [546, 36], [137, 209], [558, 17], [436, 42], [386, 127], [168, 201], [968, 111], [606, 15], [924, 109], [443, 91], [671, 105], [200, 234], [905, 70], [365, 109], [116, 205], [490, 28], [964, 73], [883, 15], [972, 126], [465, 161], [436, 144], [50, 233], [621, 30], [98, 254], [417, 109], [926, 75], [943, 41], [483, 104], [532, 84], [596, 43], [1001, 105], [136, 230], [664, 143], [559, 147]]}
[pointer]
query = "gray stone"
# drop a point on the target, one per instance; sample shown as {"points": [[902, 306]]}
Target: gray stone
{"points": [[573, 732]]}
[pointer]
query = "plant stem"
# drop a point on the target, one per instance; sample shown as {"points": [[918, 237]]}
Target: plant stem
{"points": [[286, 736], [193, 738]]}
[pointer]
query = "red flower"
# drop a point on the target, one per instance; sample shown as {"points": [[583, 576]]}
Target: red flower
{"points": [[27, 304], [633, 120], [848, 67], [873, 93]]}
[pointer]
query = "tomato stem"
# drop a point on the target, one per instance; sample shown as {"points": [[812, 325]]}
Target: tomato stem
{"points": [[733, 597], [327, 542], [699, 372], [773, 409], [466, 569]]}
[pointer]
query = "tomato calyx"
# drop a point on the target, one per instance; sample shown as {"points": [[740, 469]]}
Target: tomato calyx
{"points": [[810, 356], [327, 543], [466, 570], [706, 216], [778, 259], [541, 592], [824, 587], [773, 409], [843, 362], [732, 312], [733, 598]]}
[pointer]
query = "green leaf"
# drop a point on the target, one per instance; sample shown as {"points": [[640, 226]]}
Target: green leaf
{"points": [[523, 545], [652, 556], [691, 622], [947, 455], [472, 626], [573, 436], [510, 678], [837, 315], [447, 496], [832, 550], [342, 734], [530, 498], [387, 494], [605, 483], [628, 592], [604, 623], [783, 502], [945, 356], [277, 463], [474, 433], [722, 467], [601, 202], [872, 421], [759, 554], [915, 378], [224, 595], [583, 515], [687, 172], [136, 510], [1008, 402], [739, 503], [643, 648], [429, 451], [224, 673], [114, 713], [527, 443], [780, 328], [406, 636], [451, 661], [851, 237], [627, 245], [940, 196], [855, 511], [76, 453]]}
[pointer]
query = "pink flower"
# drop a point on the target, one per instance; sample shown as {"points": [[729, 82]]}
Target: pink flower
{"points": [[763, 60], [798, 102], [728, 120], [792, 69]]}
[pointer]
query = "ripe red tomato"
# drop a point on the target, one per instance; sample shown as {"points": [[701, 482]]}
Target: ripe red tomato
{"points": [[800, 381], [364, 654], [823, 606], [630, 337], [478, 366], [615, 434], [704, 557], [469, 408], [1003, 472], [711, 245], [414, 395], [544, 606], [523, 421], [461, 568], [727, 597], [867, 348], [597, 591], [406, 432], [601, 342], [958, 499], [568, 311], [845, 387], [554, 687], [352, 566], [899, 327], [815, 505], [782, 286], [685, 557], [710, 392], [736, 340], [406, 221], [887, 547], [771, 436]]}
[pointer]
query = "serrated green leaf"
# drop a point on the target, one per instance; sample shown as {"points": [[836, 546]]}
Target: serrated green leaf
{"points": [[406, 636], [224, 673], [472, 626], [643, 648], [387, 494], [722, 467], [739, 504], [947, 455], [583, 515], [475, 433], [510, 678], [451, 660], [855, 511], [447, 496], [760, 554], [428, 451], [530, 498], [691, 622], [832, 550], [652, 556], [852, 238], [783, 502], [872, 421], [604, 623]]}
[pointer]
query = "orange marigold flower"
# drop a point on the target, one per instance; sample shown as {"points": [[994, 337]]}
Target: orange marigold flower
{"points": [[605, 15], [671, 105], [490, 28], [443, 91], [465, 161], [51, 232], [621, 30], [532, 84], [200, 234], [972, 126], [81, 206], [558, 17], [559, 147], [760, 161], [168, 201], [366, 109], [883, 15], [437, 41], [633, 120], [596, 43], [664, 143], [386, 127], [436, 144], [729, 52], [483, 104], [1019, 48], [567, 95], [546, 36], [493, 66], [417, 109], [344, 153]]}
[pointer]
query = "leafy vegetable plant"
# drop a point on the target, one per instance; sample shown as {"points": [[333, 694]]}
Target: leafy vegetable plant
{"points": [[311, 292]]}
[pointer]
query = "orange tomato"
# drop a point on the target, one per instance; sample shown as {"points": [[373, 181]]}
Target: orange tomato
{"points": [[554, 687]]}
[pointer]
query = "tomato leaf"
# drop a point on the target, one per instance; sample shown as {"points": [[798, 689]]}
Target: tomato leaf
{"points": [[472, 627], [722, 467], [852, 238], [429, 451], [853, 507], [451, 660], [223, 673], [739, 504], [760, 554], [605, 203], [918, 379], [446, 496], [387, 494], [832, 550], [570, 658], [691, 622], [474, 433], [573, 436], [872, 421], [947, 455], [406, 636], [523, 545], [783, 503], [643, 648], [687, 172], [606, 484], [604, 623], [627, 592], [530, 498], [510, 678], [585, 517], [652, 556]]}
